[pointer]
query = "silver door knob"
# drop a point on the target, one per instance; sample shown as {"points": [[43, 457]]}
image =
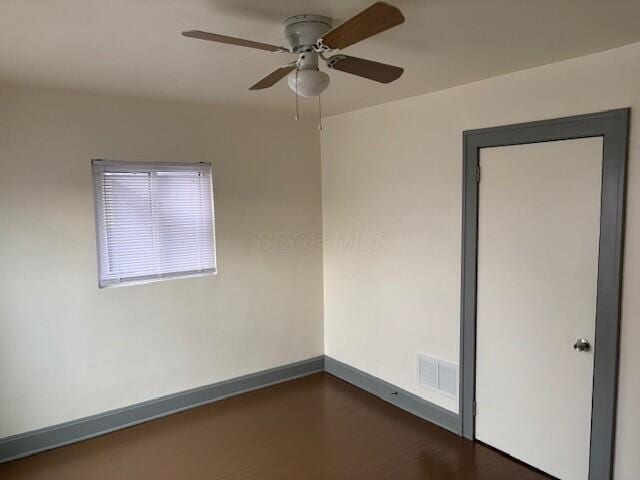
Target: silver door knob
{"points": [[582, 345]]}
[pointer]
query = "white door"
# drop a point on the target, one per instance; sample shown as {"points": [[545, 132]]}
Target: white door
{"points": [[539, 212]]}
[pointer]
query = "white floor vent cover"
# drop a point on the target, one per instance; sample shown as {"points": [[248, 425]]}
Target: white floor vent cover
{"points": [[438, 375]]}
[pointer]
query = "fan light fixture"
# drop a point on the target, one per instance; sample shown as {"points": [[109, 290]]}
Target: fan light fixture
{"points": [[308, 83], [312, 38]]}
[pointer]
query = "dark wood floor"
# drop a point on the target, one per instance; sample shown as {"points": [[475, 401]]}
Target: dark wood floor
{"points": [[317, 427]]}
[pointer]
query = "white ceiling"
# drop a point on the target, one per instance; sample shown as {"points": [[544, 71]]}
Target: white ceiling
{"points": [[134, 47]]}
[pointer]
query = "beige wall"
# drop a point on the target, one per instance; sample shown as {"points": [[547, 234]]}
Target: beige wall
{"points": [[68, 349], [394, 171]]}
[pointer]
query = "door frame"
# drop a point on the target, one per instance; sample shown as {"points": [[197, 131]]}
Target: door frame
{"points": [[613, 127]]}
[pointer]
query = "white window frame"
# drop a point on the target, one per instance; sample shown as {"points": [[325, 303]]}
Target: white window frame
{"points": [[99, 166]]}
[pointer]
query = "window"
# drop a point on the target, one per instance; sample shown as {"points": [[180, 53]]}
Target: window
{"points": [[153, 221]]}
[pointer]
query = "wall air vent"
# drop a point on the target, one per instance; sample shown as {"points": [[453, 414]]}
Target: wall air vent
{"points": [[438, 375]]}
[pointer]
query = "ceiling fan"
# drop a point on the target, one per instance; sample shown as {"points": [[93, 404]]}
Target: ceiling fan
{"points": [[311, 38]]}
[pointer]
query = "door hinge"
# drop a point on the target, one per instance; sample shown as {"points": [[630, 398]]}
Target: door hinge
{"points": [[478, 174], [475, 408]]}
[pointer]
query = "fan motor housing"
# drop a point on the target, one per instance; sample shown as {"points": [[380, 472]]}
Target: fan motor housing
{"points": [[303, 31]]}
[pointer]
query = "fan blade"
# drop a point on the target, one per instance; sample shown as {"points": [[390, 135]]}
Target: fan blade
{"points": [[214, 37], [380, 72], [375, 19], [273, 78]]}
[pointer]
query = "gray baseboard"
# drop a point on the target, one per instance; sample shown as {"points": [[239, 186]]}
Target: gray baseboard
{"points": [[394, 395], [24, 444]]}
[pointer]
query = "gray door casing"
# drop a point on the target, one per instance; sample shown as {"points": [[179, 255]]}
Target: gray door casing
{"points": [[613, 127]]}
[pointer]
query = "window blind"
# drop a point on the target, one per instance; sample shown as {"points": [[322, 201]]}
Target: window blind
{"points": [[153, 221]]}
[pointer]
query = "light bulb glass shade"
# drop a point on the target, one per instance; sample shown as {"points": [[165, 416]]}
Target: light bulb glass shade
{"points": [[310, 83]]}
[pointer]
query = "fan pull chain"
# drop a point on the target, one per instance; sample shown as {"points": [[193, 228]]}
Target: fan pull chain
{"points": [[319, 114], [297, 117]]}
